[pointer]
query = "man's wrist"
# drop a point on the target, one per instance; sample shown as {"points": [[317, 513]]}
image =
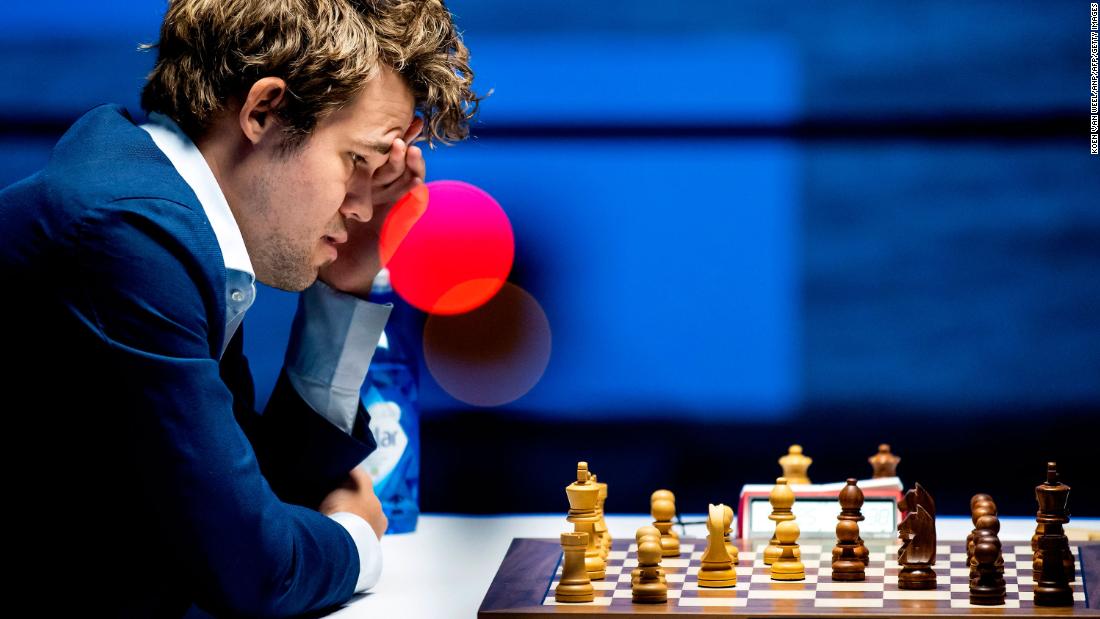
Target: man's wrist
{"points": [[332, 340]]}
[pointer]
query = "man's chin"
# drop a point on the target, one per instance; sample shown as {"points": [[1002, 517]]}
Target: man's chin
{"points": [[291, 283]]}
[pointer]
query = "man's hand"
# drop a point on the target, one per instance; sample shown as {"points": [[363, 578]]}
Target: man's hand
{"points": [[357, 496], [358, 261]]}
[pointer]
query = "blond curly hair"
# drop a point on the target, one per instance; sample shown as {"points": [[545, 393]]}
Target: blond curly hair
{"points": [[211, 52]]}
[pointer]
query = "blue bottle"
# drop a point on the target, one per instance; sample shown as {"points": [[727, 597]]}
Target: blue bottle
{"points": [[390, 396]]}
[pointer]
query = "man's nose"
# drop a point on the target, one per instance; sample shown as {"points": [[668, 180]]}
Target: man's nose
{"points": [[357, 206]]}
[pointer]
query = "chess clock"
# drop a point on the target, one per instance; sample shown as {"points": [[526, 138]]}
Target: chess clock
{"points": [[816, 508]]}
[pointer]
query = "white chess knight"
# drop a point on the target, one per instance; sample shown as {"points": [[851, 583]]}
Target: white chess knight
{"points": [[716, 569]]}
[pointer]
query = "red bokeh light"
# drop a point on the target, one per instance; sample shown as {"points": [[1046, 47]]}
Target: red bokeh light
{"points": [[448, 246]]}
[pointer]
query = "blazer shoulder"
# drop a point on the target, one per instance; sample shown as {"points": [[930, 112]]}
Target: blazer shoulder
{"points": [[111, 205], [104, 156], [150, 259]]}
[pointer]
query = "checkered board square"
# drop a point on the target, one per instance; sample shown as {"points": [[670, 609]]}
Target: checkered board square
{"points": [[818, 592]]}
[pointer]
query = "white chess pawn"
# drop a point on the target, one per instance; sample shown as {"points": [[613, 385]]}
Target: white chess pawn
{"points": [[663, 512], [665, 495], [788, 565], [649, 588], [647, 532]]}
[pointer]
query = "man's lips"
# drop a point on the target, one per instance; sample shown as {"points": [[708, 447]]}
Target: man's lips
{"points": [[332, 246]]}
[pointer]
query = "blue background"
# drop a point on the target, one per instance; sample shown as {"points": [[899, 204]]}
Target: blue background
{"points": [[749, 224]]}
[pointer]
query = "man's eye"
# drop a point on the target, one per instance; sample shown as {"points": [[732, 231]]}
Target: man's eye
{"points": [[356, 160]]}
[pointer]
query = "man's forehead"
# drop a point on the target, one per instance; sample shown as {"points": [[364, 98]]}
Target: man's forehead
{"points": [[379, 113], [375, 130], [375, 119], [386, 97]]}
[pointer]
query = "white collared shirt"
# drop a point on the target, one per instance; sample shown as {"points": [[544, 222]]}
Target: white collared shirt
{"points": [[333, 336]]}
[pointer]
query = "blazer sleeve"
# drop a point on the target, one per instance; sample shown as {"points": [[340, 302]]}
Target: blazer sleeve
{"points": [[137, 287], [302, 454]]}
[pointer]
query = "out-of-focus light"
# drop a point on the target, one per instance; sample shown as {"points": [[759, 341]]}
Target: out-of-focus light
{"points": [[449, 247], [492, 355]]}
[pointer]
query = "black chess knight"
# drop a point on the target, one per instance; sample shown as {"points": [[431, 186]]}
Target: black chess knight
{"points": [[915, 496], [917, 532]]}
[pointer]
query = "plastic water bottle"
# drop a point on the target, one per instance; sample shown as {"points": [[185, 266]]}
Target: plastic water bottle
{"points": [[390, 396]]}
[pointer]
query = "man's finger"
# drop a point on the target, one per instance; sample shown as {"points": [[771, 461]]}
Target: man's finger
{"points": [[385, 196], [394, 166], [414, 129], [415, 162], [360, 478]]}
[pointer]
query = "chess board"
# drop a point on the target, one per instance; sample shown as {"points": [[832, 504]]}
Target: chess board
{"points": [[524, 585]]}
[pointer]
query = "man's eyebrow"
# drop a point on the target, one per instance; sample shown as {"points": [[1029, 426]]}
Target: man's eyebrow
{"points": [[382, 148]]}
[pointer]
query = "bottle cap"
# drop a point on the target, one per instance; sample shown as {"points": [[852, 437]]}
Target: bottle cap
{"points": [[381, 282]]}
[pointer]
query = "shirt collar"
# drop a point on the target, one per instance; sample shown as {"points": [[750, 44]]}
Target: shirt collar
{"points": [[192, 166]]}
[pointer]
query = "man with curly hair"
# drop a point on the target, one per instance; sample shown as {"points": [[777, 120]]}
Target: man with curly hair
{"points": [[280, 133]]}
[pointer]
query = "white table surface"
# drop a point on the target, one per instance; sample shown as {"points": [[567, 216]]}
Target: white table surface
{"points": [[444, 568]]}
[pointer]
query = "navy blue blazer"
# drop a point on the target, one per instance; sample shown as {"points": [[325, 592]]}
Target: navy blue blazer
{"points": [[141, 478]]}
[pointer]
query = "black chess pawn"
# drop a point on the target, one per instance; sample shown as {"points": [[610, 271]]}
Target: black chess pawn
{"points": [[1053, 588], [980, 505], [985, 507], [989, 527], [847, 564], [987, 585], [979, 498]]}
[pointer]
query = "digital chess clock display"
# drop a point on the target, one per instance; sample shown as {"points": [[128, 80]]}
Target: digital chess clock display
{"points": [[817, 517]]}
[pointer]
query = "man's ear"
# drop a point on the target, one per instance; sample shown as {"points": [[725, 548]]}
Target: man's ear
{"points": [[256, 117]]}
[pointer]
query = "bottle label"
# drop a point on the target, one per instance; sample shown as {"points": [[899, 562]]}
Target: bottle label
{"points": [[385, 424]]}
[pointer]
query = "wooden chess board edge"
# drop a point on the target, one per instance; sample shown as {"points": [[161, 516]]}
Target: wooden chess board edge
{"points": [[1090, 568], [524, 577], [521, 581]]}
